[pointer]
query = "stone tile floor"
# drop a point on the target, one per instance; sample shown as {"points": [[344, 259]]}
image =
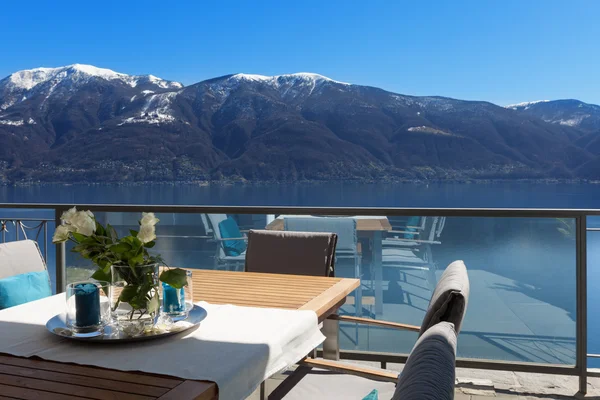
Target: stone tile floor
{"points": [[500, 385]]}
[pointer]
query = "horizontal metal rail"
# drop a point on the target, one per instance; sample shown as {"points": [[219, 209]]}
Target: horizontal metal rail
{"points": [[396, 358], [337, 211]]}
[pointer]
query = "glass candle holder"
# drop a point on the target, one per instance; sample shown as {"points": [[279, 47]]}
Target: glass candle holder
{"points": [[177, 303], [88, 307]]}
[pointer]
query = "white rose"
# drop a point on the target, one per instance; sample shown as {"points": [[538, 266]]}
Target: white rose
{"points": [[147, 233], [61, 234], [149, 219], [83, 223], [68, 215]]}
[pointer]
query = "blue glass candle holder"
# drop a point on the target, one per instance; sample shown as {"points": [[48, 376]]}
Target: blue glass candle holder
{"points": [[87, 307], [177, 303]]}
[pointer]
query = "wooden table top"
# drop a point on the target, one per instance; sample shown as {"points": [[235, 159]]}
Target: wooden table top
{"points": [[363, 224], [317, 293], [28, 378]]}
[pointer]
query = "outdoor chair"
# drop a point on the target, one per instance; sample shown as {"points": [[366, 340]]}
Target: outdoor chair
{"points": [[23, 273], [297, 253], [231, 242], [434, 351], [347, 244], [411, 248]]}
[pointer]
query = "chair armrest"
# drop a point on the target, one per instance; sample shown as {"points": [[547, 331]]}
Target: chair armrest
{"points": [[369, 321], [223, 239], [407, 232], [414, 240], [369, 373]]}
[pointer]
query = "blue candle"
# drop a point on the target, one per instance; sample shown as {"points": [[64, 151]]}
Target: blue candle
{"points": [[173, 299], [87, 305]]}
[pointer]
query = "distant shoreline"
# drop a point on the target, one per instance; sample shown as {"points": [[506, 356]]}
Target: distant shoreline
{"points": [[303, 182]]}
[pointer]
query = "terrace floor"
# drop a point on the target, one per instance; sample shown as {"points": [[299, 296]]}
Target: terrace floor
{"points": [[488, 385]]}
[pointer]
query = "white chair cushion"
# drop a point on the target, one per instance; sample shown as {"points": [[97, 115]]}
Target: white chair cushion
{"points": [[324, 385], [20, 257]]}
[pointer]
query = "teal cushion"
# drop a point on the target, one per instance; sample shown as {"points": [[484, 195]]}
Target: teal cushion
{"points": [[20, 289], [374, 395], [229, 229], [412, 221]]}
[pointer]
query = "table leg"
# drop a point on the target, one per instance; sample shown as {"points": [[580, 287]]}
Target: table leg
{"points": [[378, 270], [331, 345]]}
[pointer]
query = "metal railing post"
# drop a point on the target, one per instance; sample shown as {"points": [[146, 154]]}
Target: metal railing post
{"points": [[581, 341], [61, 262]]}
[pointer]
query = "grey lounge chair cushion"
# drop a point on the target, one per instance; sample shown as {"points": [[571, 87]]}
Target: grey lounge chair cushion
{"points": [[449, 299], [429, 372], [20, 257], [298, 253]]}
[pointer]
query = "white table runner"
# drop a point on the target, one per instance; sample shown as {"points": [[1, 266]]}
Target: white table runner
{"points": [[236, 347]]}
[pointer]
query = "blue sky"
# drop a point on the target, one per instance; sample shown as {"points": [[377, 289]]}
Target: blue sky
{"points": [[500, 51]]}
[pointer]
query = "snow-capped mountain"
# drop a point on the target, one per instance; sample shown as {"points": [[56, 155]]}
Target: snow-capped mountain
{"points": [[82, 123], [26, 84], [573, 113]]}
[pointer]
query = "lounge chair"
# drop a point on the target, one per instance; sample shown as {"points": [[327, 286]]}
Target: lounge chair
{"points": [[23, 273], [411, 249], [429, 371], [231, 249]]}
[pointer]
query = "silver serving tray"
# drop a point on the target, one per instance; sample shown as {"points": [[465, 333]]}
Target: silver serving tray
{"points": [[58, 326]]}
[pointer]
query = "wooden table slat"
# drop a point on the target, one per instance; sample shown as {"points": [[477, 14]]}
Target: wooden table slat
{"points": [[60, 377], [69, 389], [32, 394], [262, 291], [95, 372], [194, 390]]}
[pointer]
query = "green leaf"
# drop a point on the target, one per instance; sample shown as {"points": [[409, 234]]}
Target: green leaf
{"points": [[136, 260], [175, 277], [101, 275], [129, 293], [100, 229], [79, 237], [133, 233], [120, 248], [149, 245]]}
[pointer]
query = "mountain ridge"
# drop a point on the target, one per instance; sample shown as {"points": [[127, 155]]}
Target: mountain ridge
{"points": [[86, 124]]}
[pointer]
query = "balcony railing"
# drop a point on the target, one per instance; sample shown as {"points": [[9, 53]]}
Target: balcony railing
{"points": [[528, 272]]}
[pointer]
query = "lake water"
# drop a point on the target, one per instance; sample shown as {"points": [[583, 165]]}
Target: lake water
{"points": [[522, 271]]}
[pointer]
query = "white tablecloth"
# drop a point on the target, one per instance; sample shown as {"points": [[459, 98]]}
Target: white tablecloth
{"points": [[236, 347]]}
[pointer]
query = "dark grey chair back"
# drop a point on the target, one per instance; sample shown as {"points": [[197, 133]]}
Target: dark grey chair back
{"points": [[449, 299], [297, 253], [429, 372]]}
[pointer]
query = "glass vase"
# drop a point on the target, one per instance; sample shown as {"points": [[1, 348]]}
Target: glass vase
{"points": [[134, 297]]}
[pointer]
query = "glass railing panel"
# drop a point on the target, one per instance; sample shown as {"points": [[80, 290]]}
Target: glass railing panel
{"points": [[522, 272], [593, 289]]}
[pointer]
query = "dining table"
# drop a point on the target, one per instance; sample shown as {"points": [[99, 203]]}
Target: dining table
{"points": [[370, 228], [37, 378]]}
